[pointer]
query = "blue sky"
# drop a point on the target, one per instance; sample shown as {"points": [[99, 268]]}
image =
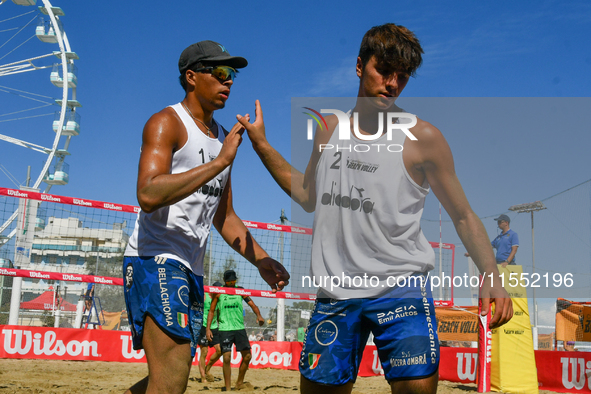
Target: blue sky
{"points": [[128, 70]]}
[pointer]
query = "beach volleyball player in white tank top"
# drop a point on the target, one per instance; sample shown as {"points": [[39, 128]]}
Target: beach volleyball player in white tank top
{"points": [[184, 186], [368, 205]]}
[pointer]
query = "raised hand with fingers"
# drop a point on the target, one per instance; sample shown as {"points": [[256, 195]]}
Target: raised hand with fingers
{"points": [[255, 130], [232, 142]]}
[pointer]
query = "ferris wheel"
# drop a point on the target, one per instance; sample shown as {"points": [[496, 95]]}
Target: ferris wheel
{"points": [[38, 81]]}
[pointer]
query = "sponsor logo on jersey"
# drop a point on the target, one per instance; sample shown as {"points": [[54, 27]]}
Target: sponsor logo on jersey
{"points": [[164, 296], [354, 201], [407, 361], [213, 190], [326, 333], [430, 326], [183, 293], [128, 275], [182, 319], [313, 360], [361, 166], [398, 313]]}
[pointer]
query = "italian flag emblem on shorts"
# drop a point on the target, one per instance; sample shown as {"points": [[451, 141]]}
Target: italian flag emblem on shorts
{"points": [[313, 360], [183, 319]]}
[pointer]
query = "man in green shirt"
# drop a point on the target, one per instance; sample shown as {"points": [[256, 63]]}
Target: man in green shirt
{"points": [[204, 343], [231, 329]]}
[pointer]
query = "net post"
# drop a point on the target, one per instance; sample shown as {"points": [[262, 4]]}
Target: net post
{"points": [[484, 350]]}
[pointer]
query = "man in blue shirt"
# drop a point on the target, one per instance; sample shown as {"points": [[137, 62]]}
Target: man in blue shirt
{"points": [[505, 243]]}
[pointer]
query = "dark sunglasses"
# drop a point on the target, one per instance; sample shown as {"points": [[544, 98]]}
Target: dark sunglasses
{"points": [[221, 72]]}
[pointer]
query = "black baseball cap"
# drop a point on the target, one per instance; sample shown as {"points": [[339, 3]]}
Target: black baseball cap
{"points": [[210, 52], [229, 276], [503, 217]]}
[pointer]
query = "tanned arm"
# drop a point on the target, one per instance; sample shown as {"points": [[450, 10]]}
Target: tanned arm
{"points": [[430, 158], [235, 233], [212, 306], [300, 187], [163, 134]]}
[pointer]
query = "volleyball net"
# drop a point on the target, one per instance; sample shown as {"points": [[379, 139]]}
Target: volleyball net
{"points": [[59, 245]]}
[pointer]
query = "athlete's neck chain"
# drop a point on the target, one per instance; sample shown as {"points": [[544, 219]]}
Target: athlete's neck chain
{"points": [[197, 120]]}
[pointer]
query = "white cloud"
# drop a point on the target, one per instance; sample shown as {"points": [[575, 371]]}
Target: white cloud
{"points": [[335, 82]]}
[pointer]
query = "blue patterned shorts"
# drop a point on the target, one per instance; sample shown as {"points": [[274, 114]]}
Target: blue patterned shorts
{"points": [[166, 290], [404, 329]]}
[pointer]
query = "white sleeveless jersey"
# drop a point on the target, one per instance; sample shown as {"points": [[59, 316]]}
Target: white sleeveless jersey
{"points": [[180, 231], [367, 220]]}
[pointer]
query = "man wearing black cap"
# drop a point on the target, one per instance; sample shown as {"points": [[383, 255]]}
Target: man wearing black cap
{"points": [[505, 243], [183, 188], [231, 329]]}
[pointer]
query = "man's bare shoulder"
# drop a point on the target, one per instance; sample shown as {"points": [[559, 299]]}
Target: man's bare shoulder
{"points": [[165, 118], [165, 125], [426, 133], [430, 145]]}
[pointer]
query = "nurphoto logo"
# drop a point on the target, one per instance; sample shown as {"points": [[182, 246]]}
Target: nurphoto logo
{"points": [[393, 123]]}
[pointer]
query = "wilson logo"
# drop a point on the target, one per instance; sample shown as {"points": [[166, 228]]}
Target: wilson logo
{"points": [[77, 201], [17, 194], [47, 344], [49, 197], [376, 365], [467, 371], [268, 294], [127, 349], [98, 279], [574, 377], [260, 357], [38, 275]]}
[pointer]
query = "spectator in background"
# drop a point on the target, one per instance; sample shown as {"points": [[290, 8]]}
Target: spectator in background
{"points": [[505, 243], [88, 296], [252, 336]]}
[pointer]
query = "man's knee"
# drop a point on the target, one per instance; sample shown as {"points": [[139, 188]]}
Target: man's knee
{"points": [[227, 357]]}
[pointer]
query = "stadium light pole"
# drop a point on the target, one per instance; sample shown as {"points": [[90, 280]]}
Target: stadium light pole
{"points": [[531, 208]]}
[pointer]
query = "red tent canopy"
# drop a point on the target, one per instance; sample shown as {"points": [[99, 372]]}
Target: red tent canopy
{"points": [[45, 303]]}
